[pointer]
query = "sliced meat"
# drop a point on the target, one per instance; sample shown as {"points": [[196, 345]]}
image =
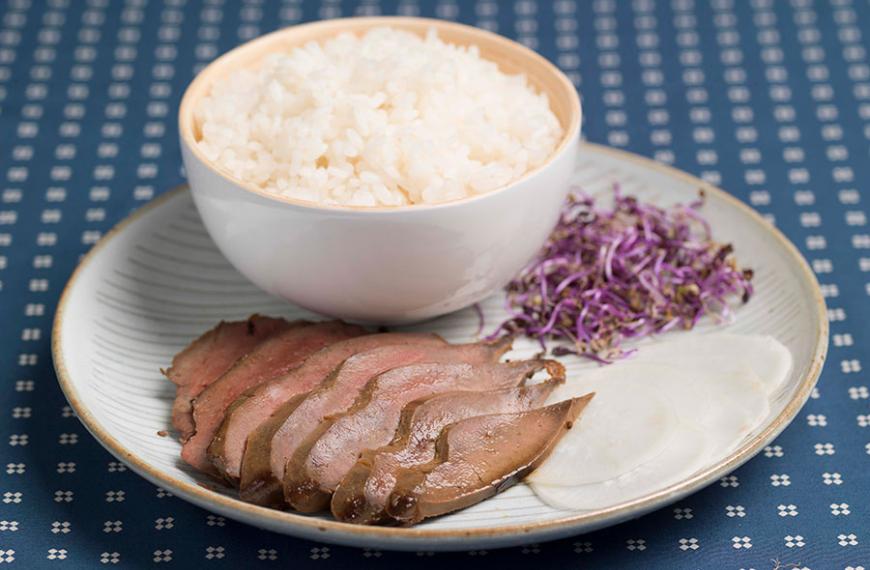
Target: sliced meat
{"points": [[273, 357], [208, 357], [316, 468], [257, 404], [479, 457], [296, 422], [258, 484], [362, 495]]}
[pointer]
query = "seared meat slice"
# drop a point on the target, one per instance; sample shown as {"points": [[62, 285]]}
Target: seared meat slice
{"points": [[273, 357], [479, 457], [258, 484], [317, 467], [258, 403], [294, 424], [362, 495], [208, 357]]}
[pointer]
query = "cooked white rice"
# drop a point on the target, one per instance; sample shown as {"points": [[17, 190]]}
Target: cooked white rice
{"points": [[385, 119]]}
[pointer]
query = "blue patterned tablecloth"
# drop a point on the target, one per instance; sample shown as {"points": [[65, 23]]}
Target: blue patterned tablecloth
{"points": [[770, 99]]}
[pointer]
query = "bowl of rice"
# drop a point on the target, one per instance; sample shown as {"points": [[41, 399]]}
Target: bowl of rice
{"points": [[382, 170]]}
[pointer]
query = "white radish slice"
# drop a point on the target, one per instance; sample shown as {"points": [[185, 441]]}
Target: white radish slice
{"points": [[636, 409], [742, 404], [765, 355], [626, 387], [614, 435], [678, 461], [660, 416]]}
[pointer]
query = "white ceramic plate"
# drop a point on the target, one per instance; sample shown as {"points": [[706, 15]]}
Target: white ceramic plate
{"points": [[157, 281]]}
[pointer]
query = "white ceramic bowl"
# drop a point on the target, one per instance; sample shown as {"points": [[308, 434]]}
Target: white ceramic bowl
{"points": [[387, 265]]}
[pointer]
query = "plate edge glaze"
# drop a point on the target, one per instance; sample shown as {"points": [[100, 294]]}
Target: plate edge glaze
{"points": [[422, 538]]}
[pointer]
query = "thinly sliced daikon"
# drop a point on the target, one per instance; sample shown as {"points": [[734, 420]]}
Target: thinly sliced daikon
{"points": [[716, 390], [672, 466], [637, 407], [614, 435], [765, 355], [742, 404]]}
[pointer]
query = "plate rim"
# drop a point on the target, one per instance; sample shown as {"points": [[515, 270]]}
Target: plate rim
{"points": [[578, 522]]}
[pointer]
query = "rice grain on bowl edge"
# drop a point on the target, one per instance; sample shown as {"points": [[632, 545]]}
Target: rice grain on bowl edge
{"points": [[388, 118]]}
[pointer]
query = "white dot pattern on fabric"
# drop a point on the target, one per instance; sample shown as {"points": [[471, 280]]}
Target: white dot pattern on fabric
{"points": [[768, 98]]}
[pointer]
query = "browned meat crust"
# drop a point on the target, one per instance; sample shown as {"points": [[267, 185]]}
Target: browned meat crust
{"points": [[479, 457]]}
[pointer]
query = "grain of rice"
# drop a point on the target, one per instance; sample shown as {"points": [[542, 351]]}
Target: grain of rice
{"points": [[385, 119]]}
